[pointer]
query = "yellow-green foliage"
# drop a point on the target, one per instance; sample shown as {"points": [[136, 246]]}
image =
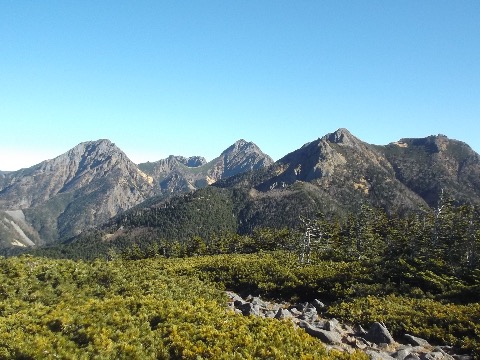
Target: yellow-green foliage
{"points": [[274, 274], [351, 286], [52, 309], [453, 324]]}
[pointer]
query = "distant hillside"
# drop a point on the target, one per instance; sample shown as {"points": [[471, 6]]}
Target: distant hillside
{"points": [[335, 174]]}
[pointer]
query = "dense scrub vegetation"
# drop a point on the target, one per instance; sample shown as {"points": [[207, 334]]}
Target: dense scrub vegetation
{"points": [[419, 274], [132, 310]]}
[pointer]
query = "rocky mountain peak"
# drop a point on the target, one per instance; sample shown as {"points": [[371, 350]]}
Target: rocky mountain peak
{"points": [[342, 137], [240, 157], [83, 187], [241, 145], [339, 135]]}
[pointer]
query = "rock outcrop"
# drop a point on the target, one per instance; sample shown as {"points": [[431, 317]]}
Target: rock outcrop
{"points": [[377, 342]]}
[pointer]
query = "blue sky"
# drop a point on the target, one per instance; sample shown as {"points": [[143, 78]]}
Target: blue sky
{"points": [[192, 77]]}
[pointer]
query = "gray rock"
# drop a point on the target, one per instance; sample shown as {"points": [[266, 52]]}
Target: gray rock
{"points": [[233, 296], [270, 314], [412, 357], [436, 355], [357, 343], [303, 324], [346, 328], [401, 354], [300, 306], [359, 330], [319, 323], [295, 312], [379, 334], [249, 309], [309, 313], [415, 341], [320, 306], [462, 357], [283, 314], [442, 349], [259, 302], [332, 325], [378, 355], [328, 337]]}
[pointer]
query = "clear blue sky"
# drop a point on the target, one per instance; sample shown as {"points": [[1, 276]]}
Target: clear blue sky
{"points": [[192, 77]]}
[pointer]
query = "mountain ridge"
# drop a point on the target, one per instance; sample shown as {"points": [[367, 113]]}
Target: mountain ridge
{"points": [[337, 175], [94, 181], [178, 174]]}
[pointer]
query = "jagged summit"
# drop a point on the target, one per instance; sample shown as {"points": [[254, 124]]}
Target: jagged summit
{"points": [[241, 145], [180, 174], [341, 136]]}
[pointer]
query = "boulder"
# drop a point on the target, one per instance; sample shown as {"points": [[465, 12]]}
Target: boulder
{"points": [[401, 354], [378, 355], [416, 341], [270, 314], [332, 325], [233, 296], [309, 313], [283, 314], [249, 309], [357, 343], [259, 302], [436, 355], [300, 306], [359, 330], [412, 357], [320, 306], [295, 312], [379, 334], [325, 336]]}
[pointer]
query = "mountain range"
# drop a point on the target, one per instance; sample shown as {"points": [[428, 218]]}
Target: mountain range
{"points": [[58, 199], [95, 183]]}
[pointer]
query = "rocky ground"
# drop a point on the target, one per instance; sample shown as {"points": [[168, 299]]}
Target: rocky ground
{"points": [[376, 342]]}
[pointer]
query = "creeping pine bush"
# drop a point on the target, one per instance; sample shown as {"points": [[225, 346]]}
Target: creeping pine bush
{"points": [[458, 325], [61, 309]]}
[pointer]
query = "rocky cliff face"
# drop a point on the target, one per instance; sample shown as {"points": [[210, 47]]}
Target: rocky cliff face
{"points": [[81, 188], [178, 174]]}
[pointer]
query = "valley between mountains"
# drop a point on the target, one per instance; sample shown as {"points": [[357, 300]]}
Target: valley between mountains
{"points": [[319, 252]]}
